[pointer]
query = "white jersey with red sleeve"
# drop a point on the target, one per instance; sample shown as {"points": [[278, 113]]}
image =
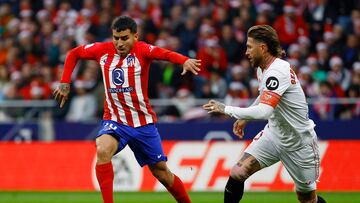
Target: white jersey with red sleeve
{"points": [[125, 78], [289, 124]]}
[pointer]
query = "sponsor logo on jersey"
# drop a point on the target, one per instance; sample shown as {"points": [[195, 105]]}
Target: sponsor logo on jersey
{"points": [[272, 83], [118, 76], [120, 90]]}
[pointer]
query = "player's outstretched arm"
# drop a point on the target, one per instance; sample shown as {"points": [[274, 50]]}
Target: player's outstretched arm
{"points": [[256, 112], [192, 65], [61, 93]]}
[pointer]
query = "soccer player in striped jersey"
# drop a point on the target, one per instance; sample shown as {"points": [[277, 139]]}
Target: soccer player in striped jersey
{"points": [[128, 117], [289, 136]]}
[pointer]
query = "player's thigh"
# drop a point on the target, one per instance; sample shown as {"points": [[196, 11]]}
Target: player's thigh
{"points": [[112, 135], [263, 149], [147, 146], [303, 166], [106, 146], [106, 142]]}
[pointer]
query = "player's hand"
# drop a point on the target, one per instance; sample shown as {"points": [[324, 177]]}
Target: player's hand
{"points": [[61, 93], [192, 65], [214, 106], [238, 128]]}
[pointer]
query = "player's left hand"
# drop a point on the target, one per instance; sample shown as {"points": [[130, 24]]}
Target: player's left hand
{"points": [[214, 106], [192, 65], [238, 128]]}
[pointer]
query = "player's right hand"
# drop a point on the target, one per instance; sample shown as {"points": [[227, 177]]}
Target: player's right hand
{"points": [[238, 128], [61, 93]]}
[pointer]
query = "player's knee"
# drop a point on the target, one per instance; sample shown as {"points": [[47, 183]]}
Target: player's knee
{"points": [[240, 173], [105, 148], [104, 153]]}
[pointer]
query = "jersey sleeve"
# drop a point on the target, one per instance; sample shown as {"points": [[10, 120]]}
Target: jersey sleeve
{"points": [[88, 52], [157, 53], [274, 84]]}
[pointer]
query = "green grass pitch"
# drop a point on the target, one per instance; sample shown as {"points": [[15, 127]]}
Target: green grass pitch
{"points": [[164, 197]]}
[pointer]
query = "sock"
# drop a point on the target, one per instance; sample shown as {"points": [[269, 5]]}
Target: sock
{"points": [[178, 191], [234, 191], [105, 177], [320, 200]]}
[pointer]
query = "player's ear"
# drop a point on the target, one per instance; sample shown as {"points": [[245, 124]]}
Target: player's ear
{"points": [[136, 36], [263, 47]]}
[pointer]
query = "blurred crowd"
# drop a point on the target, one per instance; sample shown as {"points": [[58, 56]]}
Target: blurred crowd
{"points": [[321, 39]]}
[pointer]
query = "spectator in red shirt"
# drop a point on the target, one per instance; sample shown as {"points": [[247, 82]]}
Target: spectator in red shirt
{"points": [[36, 90], [213, 57], [289, 26]]}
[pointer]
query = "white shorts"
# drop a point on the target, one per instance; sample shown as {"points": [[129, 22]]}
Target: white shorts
{"points": [[302, 164]]}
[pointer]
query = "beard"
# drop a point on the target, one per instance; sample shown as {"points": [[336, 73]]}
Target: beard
{"points": [[255, 62]]}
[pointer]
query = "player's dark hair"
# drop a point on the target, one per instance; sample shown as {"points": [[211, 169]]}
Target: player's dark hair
{"points": [[266, 34], [122, 23]]}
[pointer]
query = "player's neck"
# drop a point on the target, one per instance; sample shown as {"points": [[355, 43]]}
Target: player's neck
{"points": [[268, 60]]}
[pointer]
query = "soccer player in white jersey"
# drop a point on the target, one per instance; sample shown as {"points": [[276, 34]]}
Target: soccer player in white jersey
{"points": [[128, 117], [289, 135]]}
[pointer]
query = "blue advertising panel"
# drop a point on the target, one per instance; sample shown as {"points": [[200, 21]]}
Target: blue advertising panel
{"points": [[19, 133], [195, 130]]}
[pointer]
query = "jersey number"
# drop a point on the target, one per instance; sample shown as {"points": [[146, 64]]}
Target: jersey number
{"points": [[292, 76], [118, 76]]}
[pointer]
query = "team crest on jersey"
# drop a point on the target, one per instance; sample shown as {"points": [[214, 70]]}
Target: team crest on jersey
{"points": [[268, 97], [130, 60]]}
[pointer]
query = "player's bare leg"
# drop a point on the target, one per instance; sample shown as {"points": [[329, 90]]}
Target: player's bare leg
{"points": [[243, 169], [172, 183], [309, 197], [106, 146]]}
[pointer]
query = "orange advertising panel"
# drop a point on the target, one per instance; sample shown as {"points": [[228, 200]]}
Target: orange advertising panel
{"points": [[203, 166], [46, 166]]}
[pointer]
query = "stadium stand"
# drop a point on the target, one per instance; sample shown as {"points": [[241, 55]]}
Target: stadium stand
{"points": [[321, 38]]}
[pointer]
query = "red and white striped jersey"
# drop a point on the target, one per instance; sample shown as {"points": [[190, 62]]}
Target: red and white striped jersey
{"points": [[125, 78]]}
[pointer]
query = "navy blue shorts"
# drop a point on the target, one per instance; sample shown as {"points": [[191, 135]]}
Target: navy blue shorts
{"points": [[144, 141]]}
